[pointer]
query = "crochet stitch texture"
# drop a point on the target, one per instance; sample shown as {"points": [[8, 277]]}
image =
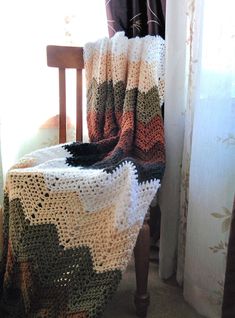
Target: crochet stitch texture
{"points": [[72, 212]]}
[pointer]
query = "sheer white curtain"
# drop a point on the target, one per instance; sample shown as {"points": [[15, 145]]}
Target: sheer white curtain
{"points": [[198, 190], [29, 89]]}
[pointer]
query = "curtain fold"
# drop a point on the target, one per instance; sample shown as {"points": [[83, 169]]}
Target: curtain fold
{"points": [[198, 186], [174, 124]]}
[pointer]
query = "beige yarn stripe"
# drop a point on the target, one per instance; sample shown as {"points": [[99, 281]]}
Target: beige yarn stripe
{"points": [[141, 74], [76, 227]]}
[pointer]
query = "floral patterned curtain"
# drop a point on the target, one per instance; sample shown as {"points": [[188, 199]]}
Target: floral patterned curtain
{"points": [[198, 188]]}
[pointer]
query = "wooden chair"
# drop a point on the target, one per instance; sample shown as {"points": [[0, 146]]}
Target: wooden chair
{"points": [[64, 57]]}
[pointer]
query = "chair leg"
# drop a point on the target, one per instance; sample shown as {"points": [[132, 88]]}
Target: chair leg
{"points": [[141, 253]]}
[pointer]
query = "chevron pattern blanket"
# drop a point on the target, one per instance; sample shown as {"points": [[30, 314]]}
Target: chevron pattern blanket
{"points": [[72, 212]]}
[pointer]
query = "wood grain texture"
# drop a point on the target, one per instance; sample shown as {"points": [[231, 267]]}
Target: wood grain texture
{"points": [[141, 253], [65, 57], [62, 110], [79, 135]]}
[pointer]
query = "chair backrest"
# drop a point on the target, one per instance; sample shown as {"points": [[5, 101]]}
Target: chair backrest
{"points": [[65, 57]]}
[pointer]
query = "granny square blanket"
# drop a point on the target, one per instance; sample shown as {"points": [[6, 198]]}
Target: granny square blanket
{"points": [[72, 212]]}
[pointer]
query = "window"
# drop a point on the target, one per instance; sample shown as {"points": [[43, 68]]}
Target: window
{"points": [[29, 92]]}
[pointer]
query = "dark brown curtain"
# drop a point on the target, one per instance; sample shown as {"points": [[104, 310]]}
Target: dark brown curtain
{"points": [[228, 308], [136, 17]]}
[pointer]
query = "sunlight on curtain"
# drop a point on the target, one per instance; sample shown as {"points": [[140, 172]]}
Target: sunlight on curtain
{"points": [[29, 89], [200, 140], [212, 168]]}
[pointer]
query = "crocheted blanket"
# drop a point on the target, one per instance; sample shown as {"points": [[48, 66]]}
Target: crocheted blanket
{"points": [[72, 212]]}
